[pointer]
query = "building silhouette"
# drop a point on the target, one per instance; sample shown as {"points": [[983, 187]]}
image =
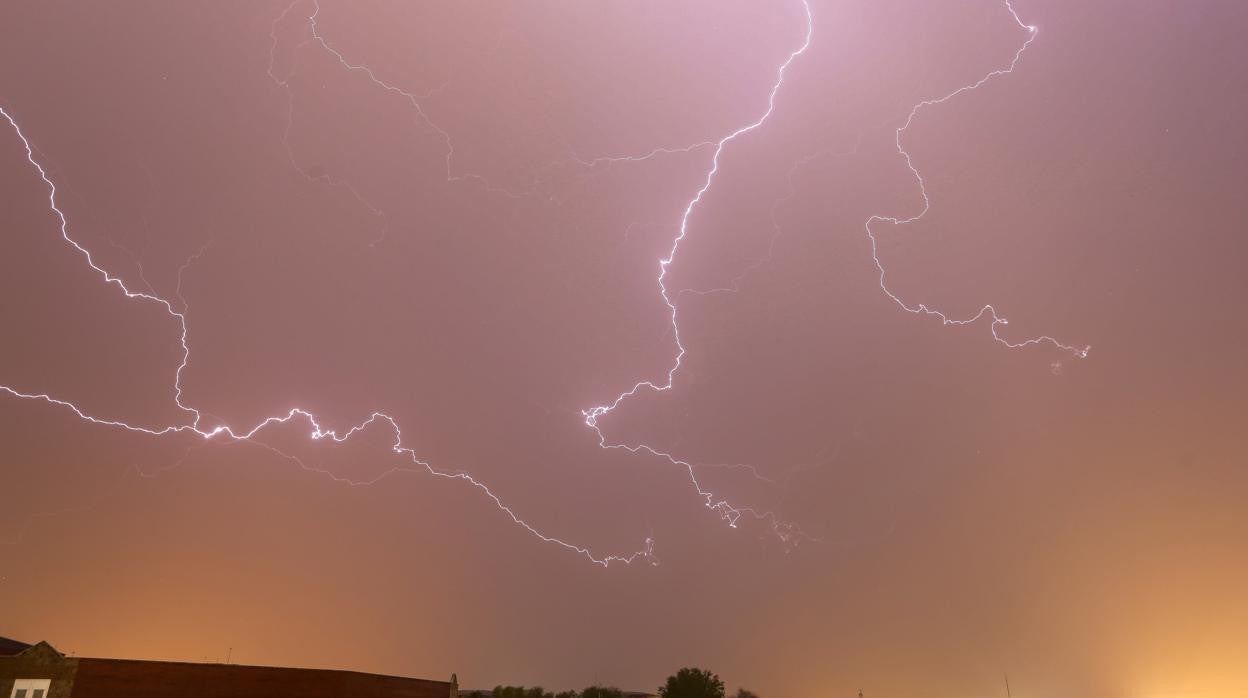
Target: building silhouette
{"points": [[40, 671]]}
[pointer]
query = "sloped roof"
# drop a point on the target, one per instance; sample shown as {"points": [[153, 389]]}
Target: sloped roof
{"points": [[8, 647], [129, 678]]}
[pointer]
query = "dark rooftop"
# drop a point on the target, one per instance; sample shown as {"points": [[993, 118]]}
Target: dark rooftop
{"points": [[8, 647]]}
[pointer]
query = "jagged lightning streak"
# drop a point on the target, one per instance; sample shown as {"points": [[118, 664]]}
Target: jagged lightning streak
{"points": [[921, 308], [734, 286], [283, 81], [726, 511], [652, 154], [789, 533], [416, 101], [228, 433]]}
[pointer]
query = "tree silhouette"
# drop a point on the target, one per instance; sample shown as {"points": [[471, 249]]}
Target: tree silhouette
{"points": [[520, 692], [692, 682]]}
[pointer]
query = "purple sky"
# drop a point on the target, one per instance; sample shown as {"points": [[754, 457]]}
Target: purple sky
{"points": [[453, 214]]}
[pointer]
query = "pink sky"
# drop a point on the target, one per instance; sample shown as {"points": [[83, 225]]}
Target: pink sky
{"points": [[418, 209]]}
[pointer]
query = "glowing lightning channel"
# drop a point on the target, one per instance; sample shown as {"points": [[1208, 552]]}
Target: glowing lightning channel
{"points": [[788, 533], [416, 101], [734, 286], [922, 308], [226, 432], [655, 153]]}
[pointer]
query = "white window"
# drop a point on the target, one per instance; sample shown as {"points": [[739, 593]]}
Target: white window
{"points": [[30, 688]]}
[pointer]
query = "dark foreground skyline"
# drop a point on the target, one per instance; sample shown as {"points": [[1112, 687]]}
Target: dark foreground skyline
{"points": [[451, 216]]}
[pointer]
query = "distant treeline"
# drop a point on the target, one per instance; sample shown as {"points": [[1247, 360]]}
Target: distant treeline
{"points": [[539, 692], [687, 683]]}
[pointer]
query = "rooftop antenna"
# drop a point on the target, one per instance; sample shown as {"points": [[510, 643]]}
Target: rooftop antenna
{"points": [[228, 653]]}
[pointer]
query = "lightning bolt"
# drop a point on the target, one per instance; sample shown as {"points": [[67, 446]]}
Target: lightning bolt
{"points": [[734, 286], [227, 433], [997, 321], [283, 81], [414, 100], [787, 532], [652, 154]]}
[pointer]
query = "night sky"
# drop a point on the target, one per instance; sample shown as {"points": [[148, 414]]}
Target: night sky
{"points": [[446, 222]]}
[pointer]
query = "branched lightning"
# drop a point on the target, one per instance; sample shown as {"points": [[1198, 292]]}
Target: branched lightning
{"points": [[734, 286], [193, 422], [652, 154], [283, 81], [227, 433], [731, 514], [415, 100], [921, 308], [788, 532]]}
